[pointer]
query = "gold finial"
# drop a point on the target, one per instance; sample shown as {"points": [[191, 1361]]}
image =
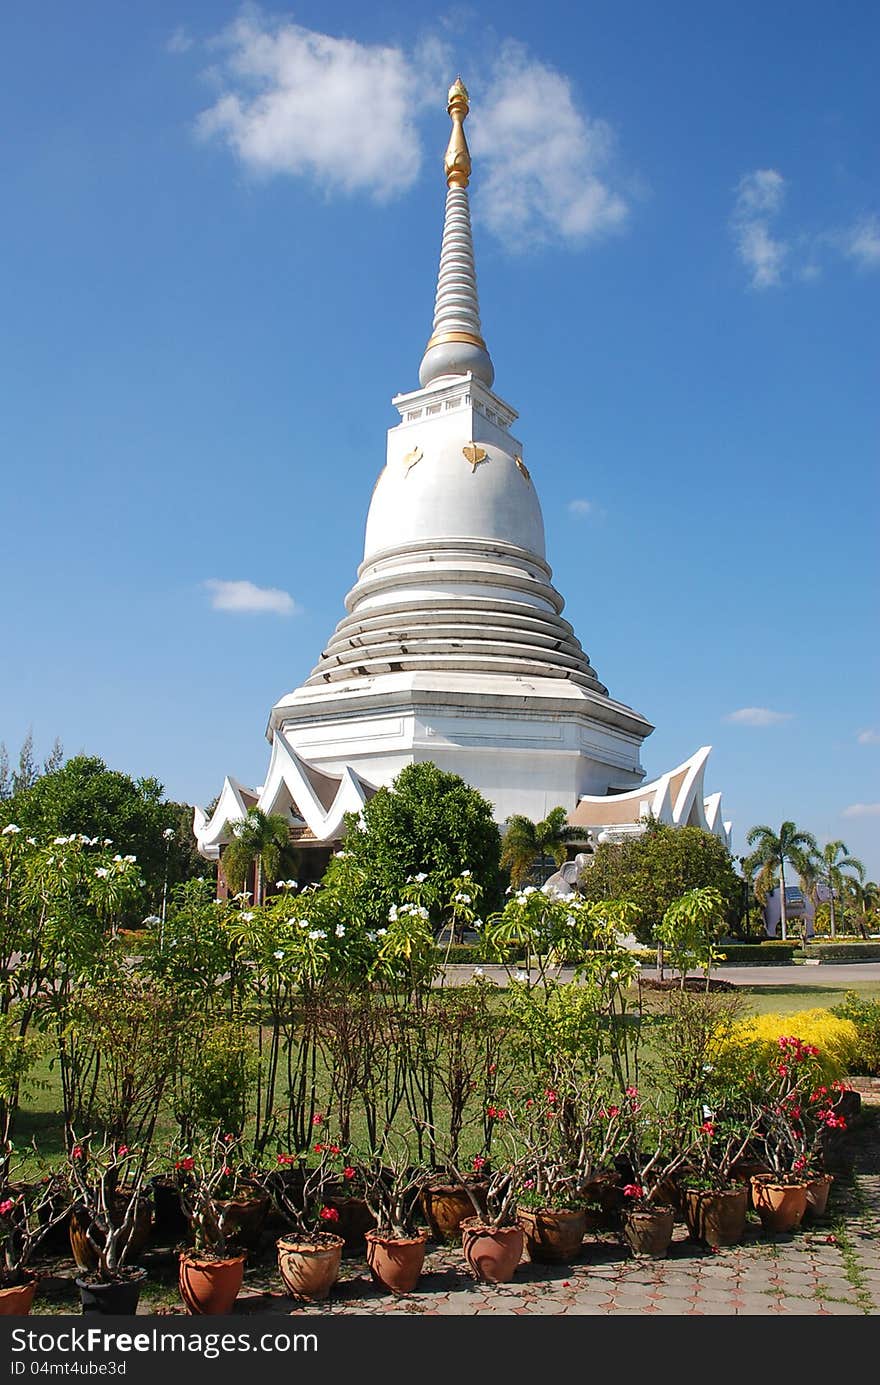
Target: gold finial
{"points": [[458, 160]]}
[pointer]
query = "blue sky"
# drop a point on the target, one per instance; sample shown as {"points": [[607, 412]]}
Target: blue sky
{"points": [[217, 262]]}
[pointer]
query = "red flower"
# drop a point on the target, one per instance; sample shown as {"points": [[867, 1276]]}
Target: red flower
{"points": [[632, 1091], [782, 1070], [186, 1164], [348, 1172], [613, 1111], [493, 1067], [479, 1161], [799, 1164], [319, 1148], [329, 1214], [285, 1158], [334, 1149], [6, 1207], [708, 1128], [317, 1118], [227, 1170], [76, 1152], [550, 1094], [122, 1150], [633, 1190]]}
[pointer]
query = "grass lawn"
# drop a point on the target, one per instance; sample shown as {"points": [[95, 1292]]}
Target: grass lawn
{"points": [[762, 1000]]}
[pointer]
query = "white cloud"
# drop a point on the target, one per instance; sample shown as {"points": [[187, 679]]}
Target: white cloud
{"points": [[300, 102], [757, 716], [544, 164], [862, 810], [759, 198], [180, 41], [870, 736], [581, 507], [862, 243], [246, 596]]}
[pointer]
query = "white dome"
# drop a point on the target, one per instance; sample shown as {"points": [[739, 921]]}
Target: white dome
{"points": [[443, 496]]}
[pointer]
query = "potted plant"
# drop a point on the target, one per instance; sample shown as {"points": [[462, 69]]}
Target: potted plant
{"points": [[655, 1146], [309, 1257], [791, 1112], [211, 1272], [106, 1219], [716, 1202], [396, 1246], [28, 1212], [492, 1239]]}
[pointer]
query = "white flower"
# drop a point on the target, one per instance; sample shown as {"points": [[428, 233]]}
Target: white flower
{"points": [[278, 954], [380, 932], [130, 859], [637, 964], [478, 971], [477, 923], [521, 976], [31, 841], [530, 889], [291, 884], [10, 830], [117, 857], [707, 1067], [152, 919], [339, 930], [102, 872], [317, 934], [168, 834], [614, 975], [243, 895], [465, 875], [420, 877], [392, 913], [371, 937], [60, 841], [462, 899], [708, 1113], [247, 917]]}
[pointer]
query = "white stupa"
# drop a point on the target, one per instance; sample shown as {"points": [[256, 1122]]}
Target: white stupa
{"points": [[453, 648]]}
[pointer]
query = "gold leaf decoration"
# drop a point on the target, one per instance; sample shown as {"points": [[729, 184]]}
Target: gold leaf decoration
{"points": [[523, 468], [411, 459], [474, 454]]}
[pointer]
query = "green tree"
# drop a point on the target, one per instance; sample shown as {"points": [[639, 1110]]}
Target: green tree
{"points": [[428, 823], [658, 868], [834, 868], [258, 842], [527, 844], [84, 796], [772, 850]]}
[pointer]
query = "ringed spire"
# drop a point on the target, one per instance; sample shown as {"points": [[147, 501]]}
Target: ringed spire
{"points": [[456, 346]]}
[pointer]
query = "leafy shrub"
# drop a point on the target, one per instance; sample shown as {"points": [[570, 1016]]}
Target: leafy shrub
{"points": [[846, 952], [759, 954], [865, 1015], [756, 1040]]}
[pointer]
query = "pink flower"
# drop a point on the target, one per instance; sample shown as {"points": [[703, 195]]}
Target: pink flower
{"points": [[632, 1091], [479, 1161], [6, 1207], [317, 1118], [76, 1152], [122, 1150], [328, 1214], [227, 1139], [529, 1183], [348, 1172], [550, 1095], [633, 1190]]}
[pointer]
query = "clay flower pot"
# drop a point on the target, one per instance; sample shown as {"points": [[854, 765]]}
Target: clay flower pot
{"points": [[447, 1205], [818, 1189], [553, 1236], [244, 1216], [717, 1217], [309, 1269], [605, 1190], [85, 1257], [780, 1206], [17, 1299], [396, 1264], [115, 1297], [648, 1230], [493, 1252], [209, 1286]]}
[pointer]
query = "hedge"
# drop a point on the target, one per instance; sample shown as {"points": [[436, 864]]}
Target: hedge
{"points": [[769, 954], [845, 952]]}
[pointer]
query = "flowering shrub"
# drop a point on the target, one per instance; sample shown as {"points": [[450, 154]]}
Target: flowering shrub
{"points": [[754, 1041]]}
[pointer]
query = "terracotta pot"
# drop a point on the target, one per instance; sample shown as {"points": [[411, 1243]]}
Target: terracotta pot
{"points": [[244, 1217], [119, 1296], [17, 1299], [717, 1217], [309, 1269], [780, 1206], [85, 1257], [209, 1287], [605, 1189], [493, 1253], [553, 1236], [396, 1264], [818, 1189], [648, 1231], [355, 1219], [446, 1206], [744, 1170]]}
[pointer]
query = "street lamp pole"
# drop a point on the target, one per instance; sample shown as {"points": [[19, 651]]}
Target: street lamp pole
{"points": [[168, 837]]}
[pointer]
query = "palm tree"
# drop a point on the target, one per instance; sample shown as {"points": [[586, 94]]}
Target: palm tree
{"points": [[835, 868], [257, 840], [771, 852], [526, 842], [866, 897]]}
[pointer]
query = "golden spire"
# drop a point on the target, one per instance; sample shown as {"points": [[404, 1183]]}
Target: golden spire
{"points": [[458, 159]]}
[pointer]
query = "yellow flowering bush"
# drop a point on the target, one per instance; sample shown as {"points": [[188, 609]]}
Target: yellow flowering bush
{"points": [[755, 1040]]}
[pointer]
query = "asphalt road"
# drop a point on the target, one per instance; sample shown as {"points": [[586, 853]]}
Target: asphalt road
{"points": [[824, 974]]}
